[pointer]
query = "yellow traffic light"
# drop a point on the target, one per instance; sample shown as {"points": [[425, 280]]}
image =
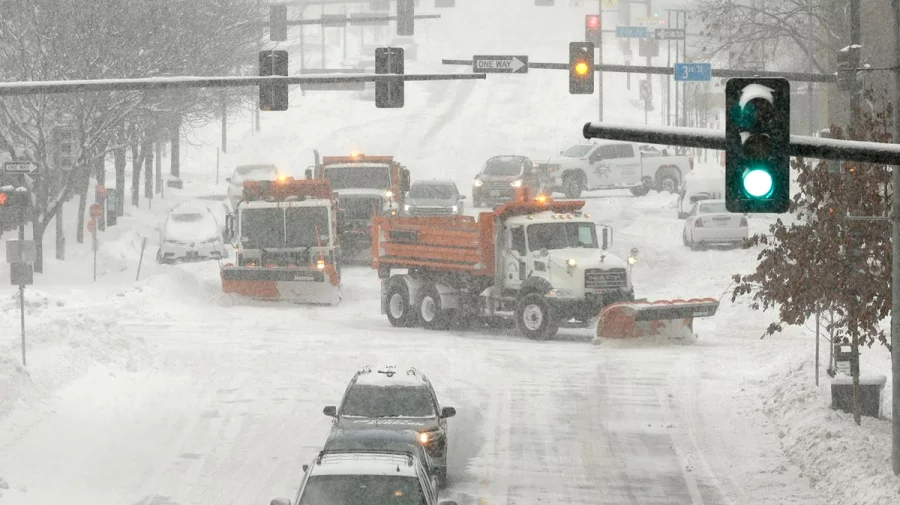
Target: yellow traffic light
{"points": [[581, 68]]}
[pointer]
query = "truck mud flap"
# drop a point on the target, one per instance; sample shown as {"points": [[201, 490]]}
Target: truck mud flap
{"points": [[667, 318]]}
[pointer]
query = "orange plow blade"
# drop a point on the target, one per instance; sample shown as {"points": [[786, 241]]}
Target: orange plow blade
{"points": [[298, 285], [668, 318]]}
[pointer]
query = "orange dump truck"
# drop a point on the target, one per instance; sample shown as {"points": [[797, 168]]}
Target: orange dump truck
{"points": [[366, 187], [285, 234], [537, 262]]}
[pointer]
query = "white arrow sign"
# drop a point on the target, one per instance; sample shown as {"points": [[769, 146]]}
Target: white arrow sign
{"points": [[20, 167], [500, 64]]}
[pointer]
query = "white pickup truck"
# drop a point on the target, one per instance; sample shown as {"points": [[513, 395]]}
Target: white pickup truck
{"points": [[614, 165]]}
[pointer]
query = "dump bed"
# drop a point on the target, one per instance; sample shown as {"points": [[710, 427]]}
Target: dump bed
{"points": [[449, 243]]}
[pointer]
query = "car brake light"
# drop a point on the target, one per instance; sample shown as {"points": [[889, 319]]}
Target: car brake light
{"points": [[744, 221], [698, 223]]}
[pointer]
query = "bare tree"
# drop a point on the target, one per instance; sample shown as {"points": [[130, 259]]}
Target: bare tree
{"points": [[745, 31]]}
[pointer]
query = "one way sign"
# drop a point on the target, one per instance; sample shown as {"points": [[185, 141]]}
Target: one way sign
{"points": [[500, 64]]}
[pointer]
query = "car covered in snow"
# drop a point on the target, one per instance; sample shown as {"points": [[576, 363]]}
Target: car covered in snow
{"points": [[399, 400], [243, 173], [433, 198], [699, 186], [190, 233], [380, 439], [357, 477], [501, 177], [709, 223]]}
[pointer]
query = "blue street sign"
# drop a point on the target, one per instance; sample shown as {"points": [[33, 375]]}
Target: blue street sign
{"points": [[632, 32], [693, 72]]}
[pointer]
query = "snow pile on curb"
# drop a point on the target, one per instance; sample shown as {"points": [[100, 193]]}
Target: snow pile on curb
{"points": [[65, 337], [842, 460]]}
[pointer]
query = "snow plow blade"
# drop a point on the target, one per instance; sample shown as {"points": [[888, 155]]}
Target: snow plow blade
{"points": [[297, 285], [670, 318]]}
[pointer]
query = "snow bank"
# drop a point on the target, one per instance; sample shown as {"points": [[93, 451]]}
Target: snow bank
{"points": [[847, 462]]}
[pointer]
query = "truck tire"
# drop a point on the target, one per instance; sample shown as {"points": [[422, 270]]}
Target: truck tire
{"points": [[573, 184], [535, 318], [432, 315], [399, 312], [667, 180]]}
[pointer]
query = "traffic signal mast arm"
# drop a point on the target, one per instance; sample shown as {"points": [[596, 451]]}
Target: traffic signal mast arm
{"points": [[632, 69], [809, 147], [89, 85]]}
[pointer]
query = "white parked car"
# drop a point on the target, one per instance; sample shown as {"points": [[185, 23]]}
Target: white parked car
{"points": [[244, 173], [709, 223], [190, 233]]}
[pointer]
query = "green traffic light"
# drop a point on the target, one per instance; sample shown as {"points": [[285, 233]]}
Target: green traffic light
{"points": [[758, 183]]}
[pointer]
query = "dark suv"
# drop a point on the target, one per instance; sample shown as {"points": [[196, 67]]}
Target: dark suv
{"points": [[501, 176], [395, 400]]}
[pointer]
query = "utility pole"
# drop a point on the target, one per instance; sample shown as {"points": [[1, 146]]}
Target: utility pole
{"points": [[322, 29], [684, 58], [895, 259], [599, 61], [855, 92], [809, 85]]}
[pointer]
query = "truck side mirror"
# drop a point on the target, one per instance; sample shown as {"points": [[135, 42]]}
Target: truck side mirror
{"points": [[404, 180], [330, 411], [228, 231], [448, 412], [606, 237], [228, 179], [309, 173]]}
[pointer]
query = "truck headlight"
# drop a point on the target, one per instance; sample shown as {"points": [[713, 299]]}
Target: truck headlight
{"points": [[455, 208], [477, 183], [632, 260], [517, 184], [407, 207], [571, 263], [560, 293], [389, 194]]}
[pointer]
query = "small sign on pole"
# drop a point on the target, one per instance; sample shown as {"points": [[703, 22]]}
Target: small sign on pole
{"points": [[96, 210], [669, 34], [499, 64], [632, 32], [693, 72]]}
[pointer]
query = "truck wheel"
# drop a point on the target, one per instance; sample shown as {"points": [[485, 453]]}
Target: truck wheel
{"points": [[573, 186], [432, 315], [667, 181], [535, 319], [399, 311]]}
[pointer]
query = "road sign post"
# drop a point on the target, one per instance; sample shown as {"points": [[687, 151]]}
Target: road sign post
{"points": [[646, 94], [92, 227], [499, 64]]}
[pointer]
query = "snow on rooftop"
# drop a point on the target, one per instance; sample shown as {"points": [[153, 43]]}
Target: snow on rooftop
{"points": [[399, 378]]}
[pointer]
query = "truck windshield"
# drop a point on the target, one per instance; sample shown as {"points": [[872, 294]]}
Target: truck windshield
{"points": [[561, 236], [362, 490], [262, 228], [388, 401], [303, 224], [371, 177], [578, 151], [503, 166]]}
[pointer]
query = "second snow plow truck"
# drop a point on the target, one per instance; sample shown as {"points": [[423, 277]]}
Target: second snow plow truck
{"points": [[367, 186], [536, 261], [285, 236]]}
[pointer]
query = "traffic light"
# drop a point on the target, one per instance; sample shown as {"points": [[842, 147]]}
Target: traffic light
{"points": [[278, 22], [405, 17], [14, 199], [389, 93], [757, 134], [592, 29], [581, 68], [273, 96]]}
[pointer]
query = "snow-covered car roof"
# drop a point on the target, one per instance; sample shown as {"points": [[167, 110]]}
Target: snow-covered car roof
{"points": [[434, 182], [401, 376], [365, 463]]}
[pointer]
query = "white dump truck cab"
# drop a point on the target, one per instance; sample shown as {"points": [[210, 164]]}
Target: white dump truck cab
{"points": [[564, 258]]}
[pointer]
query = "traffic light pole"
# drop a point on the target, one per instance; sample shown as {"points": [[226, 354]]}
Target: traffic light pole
{"points": [[895, 258], [807, 147], [599, 61]]}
